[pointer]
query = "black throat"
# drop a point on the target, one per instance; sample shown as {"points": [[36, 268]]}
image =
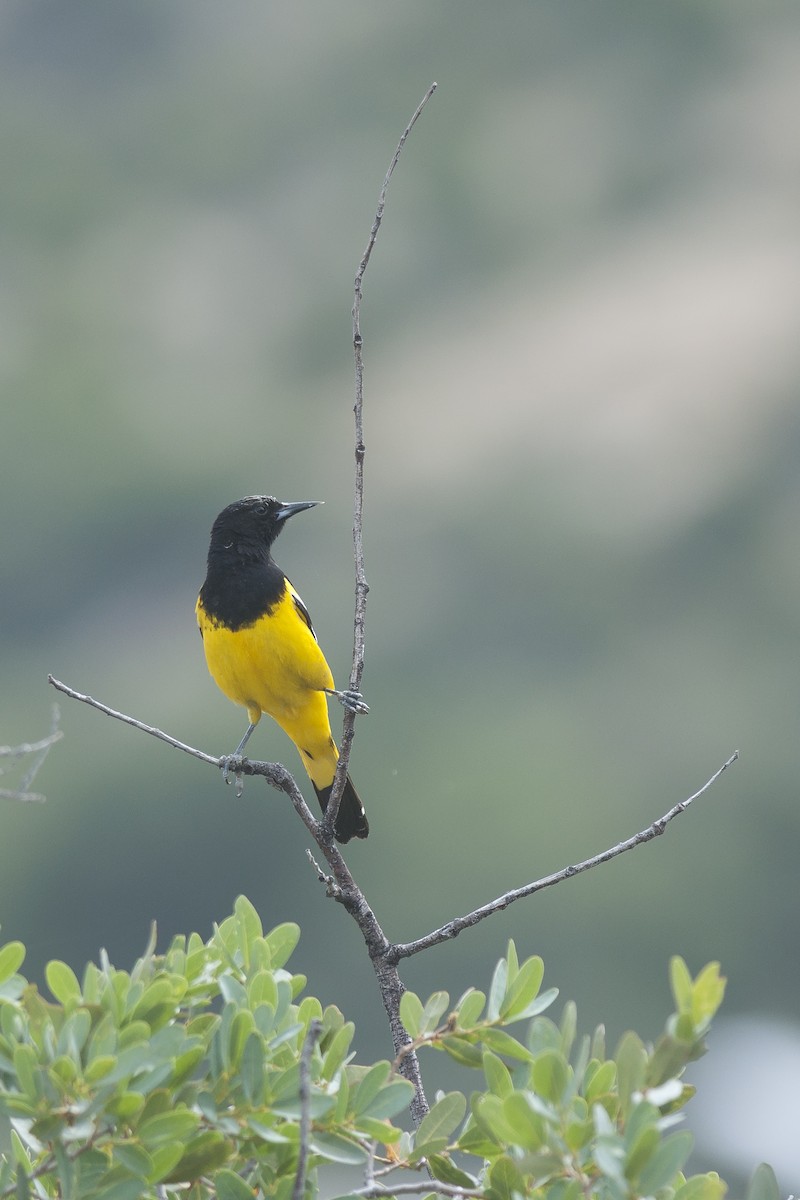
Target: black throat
{"points": [[240, 587]]}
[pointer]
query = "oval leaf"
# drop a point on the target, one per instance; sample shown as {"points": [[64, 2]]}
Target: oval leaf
{"points": [[62, 982], [12, 956], [443, 1118]]}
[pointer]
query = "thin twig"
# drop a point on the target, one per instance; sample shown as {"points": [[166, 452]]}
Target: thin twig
{"points": [[362, 587], [311, 1038], [118, 716], [31, 747], [39, 750], [43, 750], [22, 797], [453, 928], [376, 1191], [274, 773]]}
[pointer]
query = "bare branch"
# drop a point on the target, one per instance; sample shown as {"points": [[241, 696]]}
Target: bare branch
{"points": [[376, 1191], [118, 716], [31, 747], [22, 797], [311, 1038], [362, 587], [455, 927], [40, 750]]}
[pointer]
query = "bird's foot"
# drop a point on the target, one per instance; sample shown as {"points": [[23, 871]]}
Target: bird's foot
{"points": [[231, 764], [352, 701]]}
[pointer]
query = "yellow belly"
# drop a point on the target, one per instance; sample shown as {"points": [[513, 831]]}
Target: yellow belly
{"points": [[276, 667]]}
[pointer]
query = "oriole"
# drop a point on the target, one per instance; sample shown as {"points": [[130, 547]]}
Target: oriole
{"points": [[261, 648]]}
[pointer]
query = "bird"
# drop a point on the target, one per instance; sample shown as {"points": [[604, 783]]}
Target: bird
{"points": [[261, 648]]}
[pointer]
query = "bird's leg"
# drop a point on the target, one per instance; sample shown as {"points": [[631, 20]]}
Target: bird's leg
{"points": [[353, 701], [229, 762]]}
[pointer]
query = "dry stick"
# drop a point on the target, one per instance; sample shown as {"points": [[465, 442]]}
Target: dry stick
{"points": [[311, 1038], [362, 587], [453, 928], [389, 982], [40, 750], [375, 1191]]}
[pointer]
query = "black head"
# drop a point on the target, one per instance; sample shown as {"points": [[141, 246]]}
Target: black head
{"points": [[248, 527]]}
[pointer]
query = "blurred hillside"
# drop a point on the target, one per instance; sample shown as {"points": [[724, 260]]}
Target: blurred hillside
{"points": [[582, 484]]}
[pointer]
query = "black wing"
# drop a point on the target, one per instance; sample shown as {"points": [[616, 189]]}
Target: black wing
{"points": [[302, 610]]}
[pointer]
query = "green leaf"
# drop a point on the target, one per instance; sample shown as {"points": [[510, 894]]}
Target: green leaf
{"points": [[550, 1075], [469, 1009], [681, 984], [281, 942], [631, 1060], [240, 1030], [411, 1013], [63, 983], [158, 1002], [643, 1116], [369, 1086], [443, 1118], [165, 1159], [497, 990], [528, 1126], [99, 1066], [665, 1163], [711, 1187], [537, 1005], [12, 956], [25, 1067], [392, 1099], [568, 1027], [641, 1151], [338, 1149], [565, 1189], [523, 989], [511, 960], [598, 1046], [462, 1050], [503, 1043], [763, 1185], [380, 1131], [262, 989], [168, 1127], [609, 1155], [134, 1158], [252, 1070], [205, 1153], [434, 1010], [708, 991], [249, 920], [337, 1051], [23, 1189], [126, 1106], [505, 1179], [666, 1062], [600, 1082], [444, 1169], [125, 1189], [230, 1186], [498, 1076]]}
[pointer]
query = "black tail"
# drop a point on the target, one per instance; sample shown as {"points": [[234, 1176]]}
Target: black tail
{"points": [[351, 820]]}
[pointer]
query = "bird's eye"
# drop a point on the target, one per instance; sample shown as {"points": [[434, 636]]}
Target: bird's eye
{"points": [[261, 510]]}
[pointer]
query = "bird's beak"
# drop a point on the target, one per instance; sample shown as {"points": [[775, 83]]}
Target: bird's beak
{"points": [[288, 510]]}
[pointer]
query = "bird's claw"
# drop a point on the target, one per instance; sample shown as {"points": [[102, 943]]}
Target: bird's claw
{"points": [[352, 701], [231, 764]]}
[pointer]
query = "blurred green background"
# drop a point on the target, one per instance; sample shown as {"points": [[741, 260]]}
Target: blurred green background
{"points": [[582, 500]]}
